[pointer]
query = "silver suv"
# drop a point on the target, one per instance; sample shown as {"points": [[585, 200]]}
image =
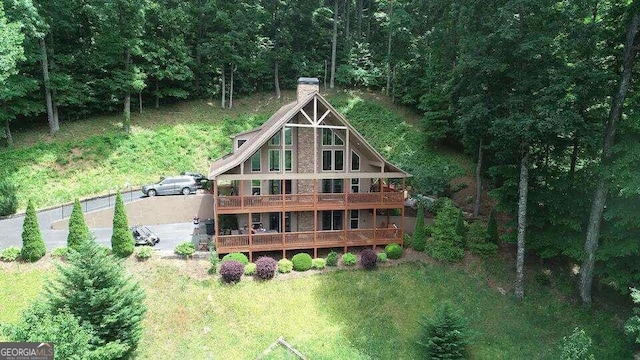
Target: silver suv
{"points": [[172, 185]]}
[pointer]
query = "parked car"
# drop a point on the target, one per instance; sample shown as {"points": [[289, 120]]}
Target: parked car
{"points": [[143, 236], [198, 177], [171, 185]]}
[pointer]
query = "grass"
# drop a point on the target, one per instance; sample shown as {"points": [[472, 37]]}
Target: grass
{"points": [[94, 156], [346, 314]]}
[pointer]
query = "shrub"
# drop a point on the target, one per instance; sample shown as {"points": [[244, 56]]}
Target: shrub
{"points": [[318, 263], [348, 259], [185, 249], [144, 253], [419, 237], [368, 259], [394, 251], [214, 260], [444, 336], [231, 271], [78, 230], [382, 257], [407, 240], [302, 262], [10, 254], [8, 198], [332, 259], [33, 248], [266, 267], [240, 257], [60, 251], [576, 346], [477, 243], [285, 266], [250, 269], [483, 249], [122, 242], [632, 326], [446, 244], [112, 307], [461, 228], [72, 339], [492, 227], [444, 251]]}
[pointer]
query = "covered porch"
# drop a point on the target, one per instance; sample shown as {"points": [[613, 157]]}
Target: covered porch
{"points": [[315, 240]]}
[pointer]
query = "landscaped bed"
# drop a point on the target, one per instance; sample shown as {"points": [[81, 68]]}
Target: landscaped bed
{"points": [[355, 314]]}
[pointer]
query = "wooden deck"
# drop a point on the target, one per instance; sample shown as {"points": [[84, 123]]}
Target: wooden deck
{"points": [[307, 240], [308, 202]]}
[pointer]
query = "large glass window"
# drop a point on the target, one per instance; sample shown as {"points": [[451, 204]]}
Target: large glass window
{"points": [[288, 138], [332, 186], [256, 187], [256, 160], [274, 160], [355, 161], [339, 160], [287, 160], [332, 220], [275, 140], [354, 219], [330, 137], [327, 163], [333, 160], [355, 185]]}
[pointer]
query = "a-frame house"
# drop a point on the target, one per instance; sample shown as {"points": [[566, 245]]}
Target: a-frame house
{"points": [[305, 179]]}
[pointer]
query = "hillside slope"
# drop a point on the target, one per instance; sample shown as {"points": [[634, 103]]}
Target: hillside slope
{"points": [[93, 156]]}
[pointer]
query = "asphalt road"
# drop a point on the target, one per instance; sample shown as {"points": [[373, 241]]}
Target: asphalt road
{"points": [[11, 229]]}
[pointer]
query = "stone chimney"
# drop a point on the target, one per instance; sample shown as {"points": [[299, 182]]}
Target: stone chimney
{"points": [[306, 86]]}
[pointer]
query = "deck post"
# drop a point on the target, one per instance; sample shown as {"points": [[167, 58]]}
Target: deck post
{"points": [[315, 213], [216, 223], [250, 226], [241, 193], [345, 215], [404, 183], [375, 225]]}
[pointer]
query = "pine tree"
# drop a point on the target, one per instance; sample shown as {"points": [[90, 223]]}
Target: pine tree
{"points": [[78, 229], [444, 336], [492, 227], [122, 242], [33, 248], [419, 235], [96, 290]]}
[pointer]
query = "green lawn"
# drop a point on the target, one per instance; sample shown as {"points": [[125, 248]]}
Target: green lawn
{"points": [[343, 314]]}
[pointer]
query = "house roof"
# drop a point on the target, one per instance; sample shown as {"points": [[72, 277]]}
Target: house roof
{"points": [[267, 130]]}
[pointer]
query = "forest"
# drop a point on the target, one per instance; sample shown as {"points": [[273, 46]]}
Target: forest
{"points": [[540, 93]]}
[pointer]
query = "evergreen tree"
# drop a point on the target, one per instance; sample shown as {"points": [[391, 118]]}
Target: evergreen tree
{"points": [[96, 290], [33, 248], [419, 235], [78, 229], [72, 339], [492, 227], [122, 242], [445, 336]]}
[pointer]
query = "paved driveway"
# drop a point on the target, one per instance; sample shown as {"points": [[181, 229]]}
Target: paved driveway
{"points": [[11, 229]]}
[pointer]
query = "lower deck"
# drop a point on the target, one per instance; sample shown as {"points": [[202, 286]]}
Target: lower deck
{"points": [[270, 241]]}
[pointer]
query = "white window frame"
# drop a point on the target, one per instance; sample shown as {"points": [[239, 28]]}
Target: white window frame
{"points": [[333, 160], [356, 219], [259, 187], [259, 154], [275, 168], [290, 152], [353, 153], [355, 183], [333, 137]]}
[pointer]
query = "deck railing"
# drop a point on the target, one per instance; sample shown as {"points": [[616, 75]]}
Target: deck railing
{"points": [[308, 239], [308, 200]]}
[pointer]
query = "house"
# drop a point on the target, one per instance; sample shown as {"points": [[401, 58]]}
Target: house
{"points": [[305, 179]]}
